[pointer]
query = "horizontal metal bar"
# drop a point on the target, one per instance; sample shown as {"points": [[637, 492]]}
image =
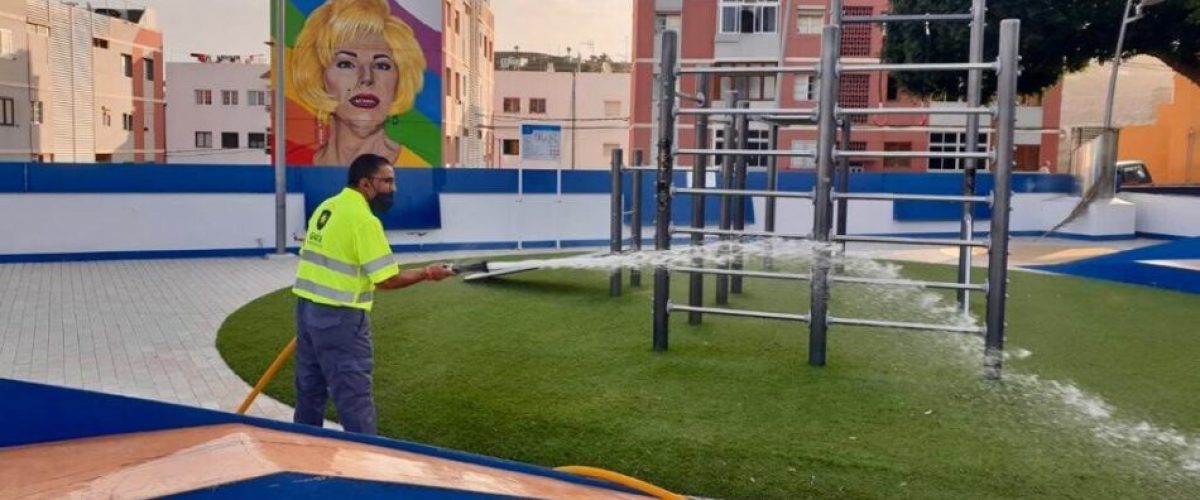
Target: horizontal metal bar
{"points": [[788, 119], [739, 313], [750, 152], [979, 155], [870, 68], [751, 274], [743, 70], [898, 18], [914, 283], [912, 241], [745, 111], [911, 197], [916, 111], [744, 192], [694, 98], [977, 330], [727, 232]]}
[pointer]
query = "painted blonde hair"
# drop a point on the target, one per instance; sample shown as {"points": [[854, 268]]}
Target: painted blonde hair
{"points": [[341, 21]]}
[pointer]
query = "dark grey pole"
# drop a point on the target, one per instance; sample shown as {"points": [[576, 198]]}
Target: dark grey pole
{"points": [[616, 226], [738, 203], [635, 220], [666, 141], [974, 97], [726, 183], [843, 179], [278, 55], [772, 186], [699, 181], [1010, 34], [822, 220]]}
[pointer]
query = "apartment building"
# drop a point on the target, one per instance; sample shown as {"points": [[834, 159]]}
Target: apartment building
{"points": [[218, 111], [468, 81]]}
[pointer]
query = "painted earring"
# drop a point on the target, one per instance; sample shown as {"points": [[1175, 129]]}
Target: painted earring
{"points": [[395, 120]]}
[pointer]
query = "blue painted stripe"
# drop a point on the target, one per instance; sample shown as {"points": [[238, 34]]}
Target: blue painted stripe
{"points": [[1126, 267], [309, 487], [49, 413]]}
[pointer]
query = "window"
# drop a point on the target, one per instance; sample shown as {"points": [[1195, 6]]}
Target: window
{"points": [[229, 97], [456, 22], [802, 161], [8, 112], [537, 106], [36, 113], [756, 139], [203, 140], [512, 104], [952, 142], [127, 121], [457, 87], [37, 29], [893, 88], [856, 38], [899, 163], [99, 43], [804, 88], [127, 65], [106, 117], [229, 140], [149, 63], [7, 47], [446, 82], [256, 97], [810, 21], [758, 87], [203, 97], [609, 147], [256, 140], [612, 109], [749, 16], [512, 147]]}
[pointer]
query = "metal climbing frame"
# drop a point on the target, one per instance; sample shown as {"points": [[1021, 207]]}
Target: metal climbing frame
{"points": [[830, 153]]}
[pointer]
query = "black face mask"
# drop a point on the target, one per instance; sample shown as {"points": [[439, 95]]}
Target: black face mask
{"points": [[382, 202]]}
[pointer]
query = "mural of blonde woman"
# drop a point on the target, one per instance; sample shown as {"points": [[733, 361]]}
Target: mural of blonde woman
{"points": [[355, 66]]}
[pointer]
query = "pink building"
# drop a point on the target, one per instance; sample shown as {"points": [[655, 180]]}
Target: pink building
{"points": [[750, 32]]}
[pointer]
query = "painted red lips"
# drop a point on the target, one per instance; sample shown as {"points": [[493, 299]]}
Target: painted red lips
{"points": [[364, 101]]}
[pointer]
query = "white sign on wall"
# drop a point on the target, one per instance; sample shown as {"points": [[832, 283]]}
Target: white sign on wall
{"points": [[541, 142]]}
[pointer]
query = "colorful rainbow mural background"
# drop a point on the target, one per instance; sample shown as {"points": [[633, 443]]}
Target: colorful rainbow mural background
{"points": [[419, 130]]}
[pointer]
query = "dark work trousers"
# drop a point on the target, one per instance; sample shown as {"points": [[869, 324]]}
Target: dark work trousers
{"points": [[333, 355]]}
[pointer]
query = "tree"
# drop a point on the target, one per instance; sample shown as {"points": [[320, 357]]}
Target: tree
{"points": [[1057, 37]]}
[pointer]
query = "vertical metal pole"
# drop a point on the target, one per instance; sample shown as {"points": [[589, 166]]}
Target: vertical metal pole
{"points": [[666, 142], [974, 97], [635, 221], [699, 181], [726, 183], [843, 178], [1106, 186], [1010, 33], [279, 71], [772, 185], [822, 220], [738, 203], [616, 229]]}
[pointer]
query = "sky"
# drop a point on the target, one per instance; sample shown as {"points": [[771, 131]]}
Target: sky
{"points": [[241, 26]]}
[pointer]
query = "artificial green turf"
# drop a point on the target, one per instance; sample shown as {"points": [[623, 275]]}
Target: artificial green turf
{"points": [[546, 368]]}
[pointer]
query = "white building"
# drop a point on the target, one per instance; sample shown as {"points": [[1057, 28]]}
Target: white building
{"points": [[218, 112], [591, 108]]}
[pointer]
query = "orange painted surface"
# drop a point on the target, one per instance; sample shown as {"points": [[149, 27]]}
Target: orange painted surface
{"points": [[1171, 146], [154, 464]]}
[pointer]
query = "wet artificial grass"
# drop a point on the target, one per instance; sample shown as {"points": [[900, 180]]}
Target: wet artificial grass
{"points": [[546, 368]]}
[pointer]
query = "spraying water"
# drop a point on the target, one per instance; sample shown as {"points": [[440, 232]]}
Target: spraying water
{"points": [[1164, 451]]}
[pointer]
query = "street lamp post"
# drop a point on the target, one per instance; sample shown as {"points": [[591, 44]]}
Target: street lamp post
{"points": [[1106, 184]]}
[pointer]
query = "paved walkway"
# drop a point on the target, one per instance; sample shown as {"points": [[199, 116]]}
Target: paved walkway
{"points": [[148, 328]]}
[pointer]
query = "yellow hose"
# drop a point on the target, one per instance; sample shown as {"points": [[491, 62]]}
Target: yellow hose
{"points": [[270, 374], [621, 479]]}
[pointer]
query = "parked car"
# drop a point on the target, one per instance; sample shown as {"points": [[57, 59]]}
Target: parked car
{"points": [[1133, 173]]}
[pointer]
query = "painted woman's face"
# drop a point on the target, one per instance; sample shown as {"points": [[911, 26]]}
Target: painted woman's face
{"points": [[362, 79]]}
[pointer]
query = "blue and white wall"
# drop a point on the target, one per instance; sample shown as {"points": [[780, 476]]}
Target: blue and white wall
{"points": [[80, 212]]}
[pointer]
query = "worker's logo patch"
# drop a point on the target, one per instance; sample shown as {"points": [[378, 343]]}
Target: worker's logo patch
{"points": [[323, 219]]}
